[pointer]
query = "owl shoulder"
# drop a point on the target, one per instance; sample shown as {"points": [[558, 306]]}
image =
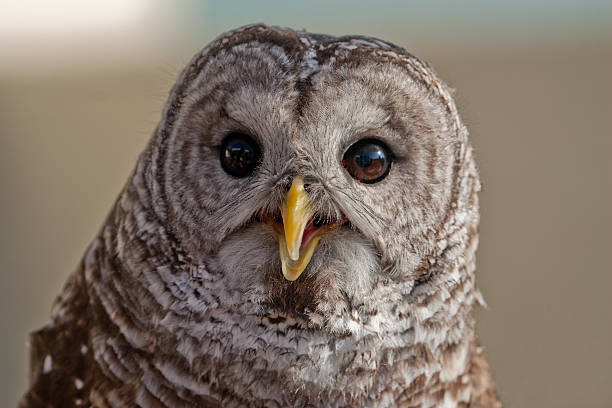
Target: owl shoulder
{"points": [[60, 351]]}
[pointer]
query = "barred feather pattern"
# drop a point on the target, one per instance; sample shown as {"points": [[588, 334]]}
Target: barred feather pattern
{"points": [[151, 317]]}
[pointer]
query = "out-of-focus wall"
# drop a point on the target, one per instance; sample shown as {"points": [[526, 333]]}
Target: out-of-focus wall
{"points": [[82, 85]]}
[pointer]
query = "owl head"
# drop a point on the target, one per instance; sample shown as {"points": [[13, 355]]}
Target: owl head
{"points": [[319, 177]]}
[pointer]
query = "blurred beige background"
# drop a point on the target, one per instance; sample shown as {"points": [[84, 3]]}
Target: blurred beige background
{"points": [[82, 85]]}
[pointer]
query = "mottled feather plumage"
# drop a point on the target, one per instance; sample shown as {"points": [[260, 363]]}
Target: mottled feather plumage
{"points": [[180, 302]]}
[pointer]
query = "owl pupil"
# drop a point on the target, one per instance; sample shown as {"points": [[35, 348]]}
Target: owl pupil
{"points": [[240, 154], [367, 161], [368, 158]]}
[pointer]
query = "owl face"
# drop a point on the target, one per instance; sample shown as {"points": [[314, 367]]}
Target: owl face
{"points": [[305, 174]]}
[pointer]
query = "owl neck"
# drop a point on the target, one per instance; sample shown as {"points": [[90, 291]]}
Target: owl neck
{"points": [[239, 356]]}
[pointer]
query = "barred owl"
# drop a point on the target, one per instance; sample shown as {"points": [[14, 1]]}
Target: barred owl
{"points": [[300, 231]]}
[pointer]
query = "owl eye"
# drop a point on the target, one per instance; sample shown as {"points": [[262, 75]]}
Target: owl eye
{"points": [[367, 161], [240, 154]]}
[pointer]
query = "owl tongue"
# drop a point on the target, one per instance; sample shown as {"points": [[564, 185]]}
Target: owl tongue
{"points": [[309, 231], [312, 230]]}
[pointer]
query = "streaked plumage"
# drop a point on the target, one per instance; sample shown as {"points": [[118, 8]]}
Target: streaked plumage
{"points": [[180, 300]]}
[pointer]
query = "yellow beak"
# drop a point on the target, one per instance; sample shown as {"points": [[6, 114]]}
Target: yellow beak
{"points": [[296, 212]]}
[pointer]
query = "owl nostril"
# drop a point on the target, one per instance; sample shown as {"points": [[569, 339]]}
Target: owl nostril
{"points": [[273, 217], [277, 217], [317, 221]]}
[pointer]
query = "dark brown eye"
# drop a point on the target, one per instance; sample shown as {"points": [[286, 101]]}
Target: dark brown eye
{"points": [[240, 154], [367, 161]]}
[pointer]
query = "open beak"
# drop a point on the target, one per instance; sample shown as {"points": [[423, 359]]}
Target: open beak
{"points": [[298, 237]]}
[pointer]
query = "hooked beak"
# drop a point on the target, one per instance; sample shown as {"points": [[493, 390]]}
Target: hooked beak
{"points": [[299, 236], [296, 212]]}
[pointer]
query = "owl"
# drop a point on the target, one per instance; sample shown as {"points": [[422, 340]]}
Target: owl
{"points": [[300, 231]]}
